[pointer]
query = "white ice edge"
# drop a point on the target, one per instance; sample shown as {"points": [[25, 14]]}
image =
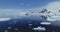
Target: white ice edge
{"points": [[4, 19]]}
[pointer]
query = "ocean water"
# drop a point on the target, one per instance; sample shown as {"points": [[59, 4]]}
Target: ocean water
{"points": [[27, 25]]}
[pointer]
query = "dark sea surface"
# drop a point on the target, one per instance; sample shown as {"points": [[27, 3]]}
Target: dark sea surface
{"points": [[27, 25]]}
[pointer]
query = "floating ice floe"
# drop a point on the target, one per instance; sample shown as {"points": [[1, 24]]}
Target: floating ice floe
{"points": [[4, 19], [39, 29], [45, 23], [6, 30], [16, 29], [9, 28], [30, 24]]}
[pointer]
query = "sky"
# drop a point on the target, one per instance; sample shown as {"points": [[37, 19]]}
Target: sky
{"points": [[23, 4], [9, 8]]}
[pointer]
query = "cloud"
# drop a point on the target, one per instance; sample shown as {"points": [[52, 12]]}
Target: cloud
{"points": [[53, 6]]}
